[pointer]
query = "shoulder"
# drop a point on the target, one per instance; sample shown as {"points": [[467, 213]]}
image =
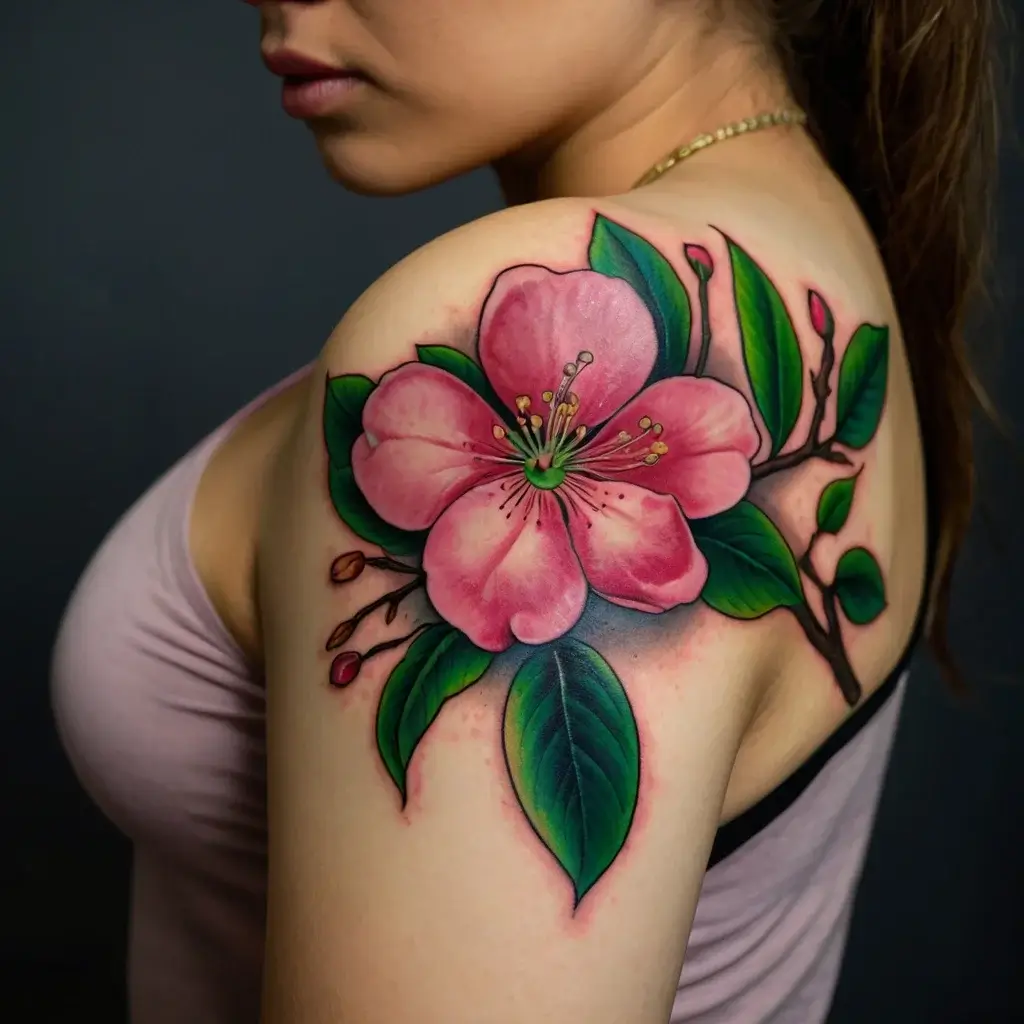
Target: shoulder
{"points": [[437, 285], [733, 376], [521, 604], [755, 256], [571, 344]]}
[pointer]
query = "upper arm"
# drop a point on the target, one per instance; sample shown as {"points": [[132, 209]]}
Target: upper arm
{"points": [[502, 808]]}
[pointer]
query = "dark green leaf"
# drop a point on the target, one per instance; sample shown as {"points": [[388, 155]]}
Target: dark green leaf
{"points": [[863, 377], [440, 663], [860, 587], [835, 503], [770, 347], [751, 570], [574, 756], [618, 252], [459, 365], [343, 423], [343, 411]]}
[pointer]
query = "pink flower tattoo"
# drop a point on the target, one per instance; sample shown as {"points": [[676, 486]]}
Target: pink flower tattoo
{"points": [[592, 486]]}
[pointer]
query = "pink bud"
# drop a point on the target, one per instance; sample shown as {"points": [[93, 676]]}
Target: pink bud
{"points": [[700, 260], [345, 668], [821, 315]]}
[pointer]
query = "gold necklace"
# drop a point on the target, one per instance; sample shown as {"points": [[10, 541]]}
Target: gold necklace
{"points": [[790, 115]]}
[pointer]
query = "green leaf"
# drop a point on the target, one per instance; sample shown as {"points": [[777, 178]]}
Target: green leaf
{"points": [[770, 347], [859, 586], [459, 365], [835, 503], [343, 423], [863, 377], [618, 252], [573, 754], [440, 663], [751, 570]]}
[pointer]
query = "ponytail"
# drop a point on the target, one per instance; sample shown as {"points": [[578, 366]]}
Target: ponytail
{"points": [[901, 97]]}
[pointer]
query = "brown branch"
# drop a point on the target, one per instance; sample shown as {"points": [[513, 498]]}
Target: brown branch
{"points": [[831, 649], [343, 633], [705, 329], [814, 447], [798, 456], [393, 565], [390, 645], [821, 388], [828, 639]]}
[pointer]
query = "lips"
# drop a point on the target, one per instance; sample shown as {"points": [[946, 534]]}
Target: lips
{"points": [[311, 88], [290, 64]]}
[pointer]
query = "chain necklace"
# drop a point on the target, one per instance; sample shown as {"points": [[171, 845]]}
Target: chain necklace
{"points": [[790, 115]]}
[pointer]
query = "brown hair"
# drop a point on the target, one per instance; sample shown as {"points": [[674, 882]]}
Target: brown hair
{"points": [[901, 96]]}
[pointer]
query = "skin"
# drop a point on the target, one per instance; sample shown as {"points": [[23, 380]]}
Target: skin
{"points": [[566, 98], [611, 87]]}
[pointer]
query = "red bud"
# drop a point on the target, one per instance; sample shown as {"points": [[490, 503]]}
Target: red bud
{"points": [[821, 315], [348, 567], [700, 260], [345, 668]]}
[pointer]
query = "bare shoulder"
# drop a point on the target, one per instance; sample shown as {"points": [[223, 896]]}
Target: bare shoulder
{"points": [[577, 484], [780, 323]]}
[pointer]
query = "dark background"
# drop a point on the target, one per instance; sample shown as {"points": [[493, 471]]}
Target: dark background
{"points": [[171, 247]]}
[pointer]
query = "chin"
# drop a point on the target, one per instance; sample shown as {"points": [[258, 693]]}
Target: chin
{"points": [[382, 167], [378, 167]]}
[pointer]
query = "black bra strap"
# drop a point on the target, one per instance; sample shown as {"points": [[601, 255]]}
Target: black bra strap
{"points": [[732, 835]]}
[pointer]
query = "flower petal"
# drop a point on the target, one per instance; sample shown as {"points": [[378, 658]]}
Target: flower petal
{"points": [[536, 320], [637, 549], [424, 433], [711, 438], [502, 574]]}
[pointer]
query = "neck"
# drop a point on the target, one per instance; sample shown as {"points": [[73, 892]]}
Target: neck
{"points": [[683, 92]]}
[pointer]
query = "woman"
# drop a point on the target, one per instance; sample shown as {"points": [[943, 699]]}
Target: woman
{"points": [[599, 525]]}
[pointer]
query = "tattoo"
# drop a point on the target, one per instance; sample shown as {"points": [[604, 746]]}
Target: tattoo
{"points": [[577, 458]]}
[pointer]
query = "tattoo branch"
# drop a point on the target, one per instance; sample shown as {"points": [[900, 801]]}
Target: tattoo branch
{"points": [[345, 569], [814, 447], [827, 639]]}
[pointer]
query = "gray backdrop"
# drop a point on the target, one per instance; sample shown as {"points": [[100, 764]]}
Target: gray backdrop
{"points": [[171, 247]]}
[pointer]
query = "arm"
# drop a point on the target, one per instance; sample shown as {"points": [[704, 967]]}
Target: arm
{"points": [[493, 795]]}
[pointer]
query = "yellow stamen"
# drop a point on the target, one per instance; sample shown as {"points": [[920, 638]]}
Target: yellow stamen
{"points": [[645, 423], [536, 422], [498, 432], [624, 436], [657, 428], [523, 403], [659, 448], [548, 396], [651, 459], [581, 432]]}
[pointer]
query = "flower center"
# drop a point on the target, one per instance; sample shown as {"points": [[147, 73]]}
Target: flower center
{"points": [[553, 453], [541, 473]]}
